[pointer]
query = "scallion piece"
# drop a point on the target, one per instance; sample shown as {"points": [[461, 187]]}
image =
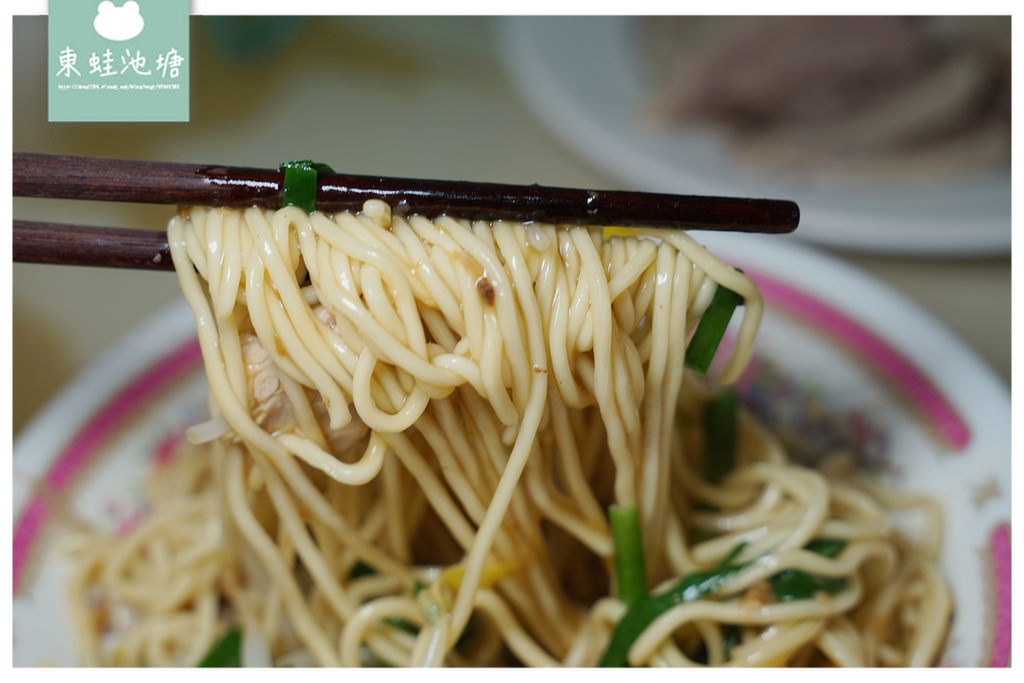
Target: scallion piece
{"points": [[361, 569], [796, 584], [731, 556], [720, 436], [711, 329], [826, 547], [731, 638], [639, 615], [300, 183], [790, 584], [629, 553], [226, 652], [402, 624]]}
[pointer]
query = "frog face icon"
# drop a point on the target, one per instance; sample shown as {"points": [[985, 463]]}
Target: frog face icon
{"points": [[118, 23]]}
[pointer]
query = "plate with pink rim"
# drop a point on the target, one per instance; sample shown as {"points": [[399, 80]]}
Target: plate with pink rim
{"points": [[841, 361]]}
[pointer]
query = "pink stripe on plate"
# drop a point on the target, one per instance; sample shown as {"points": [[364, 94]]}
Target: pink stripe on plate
{"points": [[117, 411], [30, 523], [1000, 553], [84, 445], [868, 345]]}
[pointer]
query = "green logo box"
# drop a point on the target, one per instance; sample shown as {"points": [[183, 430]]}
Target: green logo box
{"points": [[121, 60]]}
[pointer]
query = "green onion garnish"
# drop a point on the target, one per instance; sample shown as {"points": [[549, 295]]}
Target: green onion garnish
{"points": [[629, 553], [720, 436], [640, 614], [790, 584], [226, 652], [300, 183], [711, 329], [402, 624], [731, 638], [361, 569], [795, 584]]}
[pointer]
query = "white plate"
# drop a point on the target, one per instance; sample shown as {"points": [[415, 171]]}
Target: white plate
{"points": [[583, 77], [911, 401]]}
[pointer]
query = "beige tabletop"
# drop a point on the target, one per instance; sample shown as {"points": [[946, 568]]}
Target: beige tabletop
{"points": [[400, 96]]}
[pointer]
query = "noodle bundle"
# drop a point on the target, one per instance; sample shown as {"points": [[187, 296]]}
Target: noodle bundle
{"points": [[417, 430]]}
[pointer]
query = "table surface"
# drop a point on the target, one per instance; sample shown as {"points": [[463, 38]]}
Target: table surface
{"points": [[414, 97]]}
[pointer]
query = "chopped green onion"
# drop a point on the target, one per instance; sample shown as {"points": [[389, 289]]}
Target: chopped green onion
{"points": [[300, 183], [732, 555], [226, 652], [730, 638], [629, 553], [640, 614], [720, 436], [826, 547], [361, 569], [697, 585], [791, 584], [796, 584], [402, 624], [711, 329]]}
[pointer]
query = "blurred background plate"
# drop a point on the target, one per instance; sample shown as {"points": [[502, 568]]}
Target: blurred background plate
{"points": [[842, 363], [587, 79]]}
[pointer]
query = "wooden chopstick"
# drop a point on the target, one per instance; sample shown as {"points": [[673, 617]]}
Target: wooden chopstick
{"points": [[81, 245], [72, 177]]}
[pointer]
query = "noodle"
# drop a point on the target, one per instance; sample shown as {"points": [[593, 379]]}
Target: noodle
{"points": [[417, 430]]}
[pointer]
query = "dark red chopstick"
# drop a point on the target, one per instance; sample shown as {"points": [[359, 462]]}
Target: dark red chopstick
{"points": [[81, 245], [71, 177]]}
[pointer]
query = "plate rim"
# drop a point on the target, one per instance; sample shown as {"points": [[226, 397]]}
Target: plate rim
{"points": [[50, 429]]}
